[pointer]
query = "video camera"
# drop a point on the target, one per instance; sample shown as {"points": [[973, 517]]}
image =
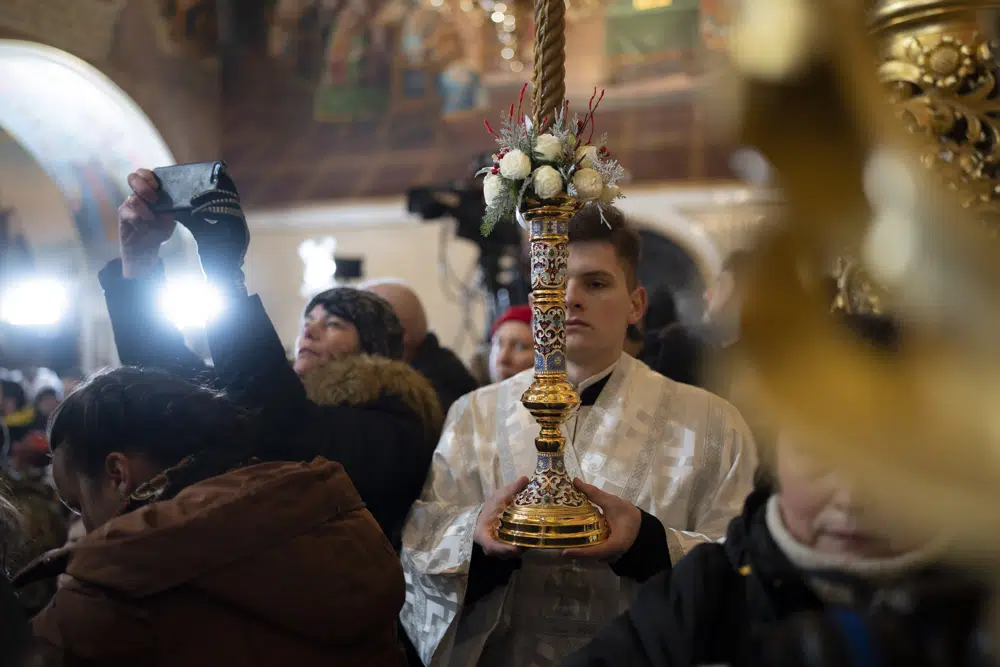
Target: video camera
{"points": [[463, 201], [502, 257]]}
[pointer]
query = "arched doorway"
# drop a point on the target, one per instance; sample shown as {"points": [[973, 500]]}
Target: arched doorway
{"points": [[86, 134]]}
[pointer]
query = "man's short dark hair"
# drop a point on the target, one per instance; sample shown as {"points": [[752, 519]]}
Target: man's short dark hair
{"points": [[607, 224], [143, 411]]}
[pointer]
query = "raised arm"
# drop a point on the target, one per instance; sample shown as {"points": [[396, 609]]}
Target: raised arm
{"points": [[132, 285], [243, 342], [381, 443]]}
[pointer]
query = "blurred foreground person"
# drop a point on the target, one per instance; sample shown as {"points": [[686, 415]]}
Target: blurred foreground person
{"points": [[421, 348], [349, 397], [803, 578], [195, 555], [512, 346]]}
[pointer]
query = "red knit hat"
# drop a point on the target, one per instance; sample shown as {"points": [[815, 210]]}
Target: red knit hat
{"points": [[514, 313]]}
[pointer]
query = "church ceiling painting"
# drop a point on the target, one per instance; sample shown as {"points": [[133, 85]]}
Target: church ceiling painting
{"points": [[351, 98]]}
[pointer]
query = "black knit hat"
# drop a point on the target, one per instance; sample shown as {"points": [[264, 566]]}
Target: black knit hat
{"points": [[379, 330]]}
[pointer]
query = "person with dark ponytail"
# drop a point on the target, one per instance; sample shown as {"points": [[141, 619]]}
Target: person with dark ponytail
{"points": [[196, 552]]}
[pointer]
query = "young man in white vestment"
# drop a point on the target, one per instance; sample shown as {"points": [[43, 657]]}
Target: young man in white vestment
{"points": [[668, 464]]}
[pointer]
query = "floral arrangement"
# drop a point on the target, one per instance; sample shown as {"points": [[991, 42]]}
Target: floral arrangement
{"points": [[546, 161]]}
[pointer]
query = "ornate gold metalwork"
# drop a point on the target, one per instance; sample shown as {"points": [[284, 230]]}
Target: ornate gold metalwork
{"points": [[917, 428], [550, 513], [856, 291], [941, 71]]}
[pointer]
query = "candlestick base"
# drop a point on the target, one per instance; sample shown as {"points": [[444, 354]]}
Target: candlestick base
{"points": [[551, 513]]}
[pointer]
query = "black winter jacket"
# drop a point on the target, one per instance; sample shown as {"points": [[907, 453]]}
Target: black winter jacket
{"points": [[446, 372], [744, 603]]}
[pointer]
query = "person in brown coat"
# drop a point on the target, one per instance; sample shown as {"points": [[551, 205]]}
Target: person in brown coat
{"points": [[198, 555]]}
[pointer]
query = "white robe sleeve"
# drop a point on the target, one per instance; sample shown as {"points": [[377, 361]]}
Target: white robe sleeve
{"points": [[724, 478], [438, 537]]}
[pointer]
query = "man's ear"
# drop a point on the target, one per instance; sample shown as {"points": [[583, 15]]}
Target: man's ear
{"points": [[640, 302]]}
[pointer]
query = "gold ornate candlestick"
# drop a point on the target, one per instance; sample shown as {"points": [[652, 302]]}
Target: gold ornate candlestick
{"points": [[550, 513]]}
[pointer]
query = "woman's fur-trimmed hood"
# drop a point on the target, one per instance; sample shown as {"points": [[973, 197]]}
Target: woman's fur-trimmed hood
{"points": [[362, 379]]}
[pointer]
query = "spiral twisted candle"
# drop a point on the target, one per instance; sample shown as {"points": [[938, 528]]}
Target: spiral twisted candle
{"points": [[548, 78]]}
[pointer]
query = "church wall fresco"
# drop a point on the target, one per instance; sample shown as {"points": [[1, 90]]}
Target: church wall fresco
{"points": [[356, 98], [361, 98]]}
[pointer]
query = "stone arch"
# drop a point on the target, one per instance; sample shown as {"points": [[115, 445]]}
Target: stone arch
{"points": [[86, 134], [677, 258], [84, 131]]}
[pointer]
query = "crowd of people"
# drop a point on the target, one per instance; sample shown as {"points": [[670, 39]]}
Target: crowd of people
{"points": [[341, 507]]}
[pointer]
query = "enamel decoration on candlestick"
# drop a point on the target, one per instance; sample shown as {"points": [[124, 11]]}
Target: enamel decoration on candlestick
{"points": [[546, 170]]}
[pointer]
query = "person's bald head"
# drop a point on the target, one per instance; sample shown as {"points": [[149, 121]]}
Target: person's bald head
{"points": [[409, 310]]}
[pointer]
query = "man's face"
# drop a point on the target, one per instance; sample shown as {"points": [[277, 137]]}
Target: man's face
{"points": [[324, 338], [599, 303]]}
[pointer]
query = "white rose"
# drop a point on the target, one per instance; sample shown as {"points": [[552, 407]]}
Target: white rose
{"points": [[548, 148], [586, 156], [588, 184], [548, 182], [610, 193], [493, 185], [515, 165]]}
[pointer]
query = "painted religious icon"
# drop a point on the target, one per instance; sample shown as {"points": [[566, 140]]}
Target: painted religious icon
{"points": [[461, 89], [416, 54], [649, 39], [460, 47], [95, 208], [357, 65]]}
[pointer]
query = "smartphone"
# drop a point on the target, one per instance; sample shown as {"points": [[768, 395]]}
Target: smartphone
{"points": [[180, 183]]}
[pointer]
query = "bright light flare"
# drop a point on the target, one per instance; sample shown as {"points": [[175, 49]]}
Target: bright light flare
{"points": [[319, 267], [39, 302], [191, 302]]}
